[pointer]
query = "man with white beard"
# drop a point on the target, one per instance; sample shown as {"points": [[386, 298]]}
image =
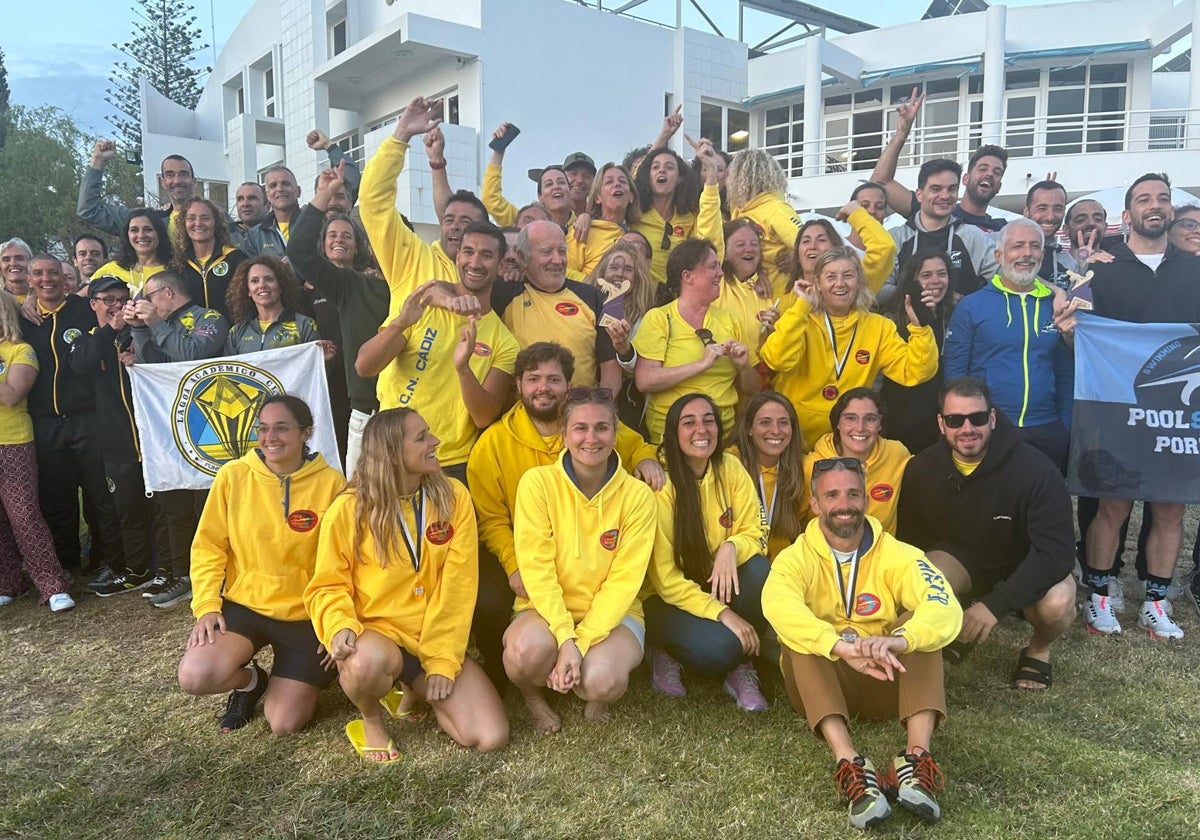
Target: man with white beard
{"points": [[1005, 335]]}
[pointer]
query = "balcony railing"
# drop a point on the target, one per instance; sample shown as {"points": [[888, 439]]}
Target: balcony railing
{"points": [[1046, 136]]}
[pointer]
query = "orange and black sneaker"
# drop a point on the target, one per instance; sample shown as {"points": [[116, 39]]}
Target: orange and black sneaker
{"points": [[859, 783], [913, 780]]}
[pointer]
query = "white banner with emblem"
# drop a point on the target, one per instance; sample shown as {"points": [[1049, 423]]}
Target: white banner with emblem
{"points": [[194, 417]]}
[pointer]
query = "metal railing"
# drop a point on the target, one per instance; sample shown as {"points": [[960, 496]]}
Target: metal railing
{"points": [[1131, 130]]}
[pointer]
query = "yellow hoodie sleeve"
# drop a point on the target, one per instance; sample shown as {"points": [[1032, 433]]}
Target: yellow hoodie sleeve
{"points": [[710, 224], [501, 209], [936, 614], [750, 529], [784, 605], [784, 348], [485, 478], [669, 582], [533, 531], [880, 256], [627, 573], [396, 247], [577, 258], [210, 547], [329, 597], [447, 622], [780, 221], [631, 448], [908, 362]]}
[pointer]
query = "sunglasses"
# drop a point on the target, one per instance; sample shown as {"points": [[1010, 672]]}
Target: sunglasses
{"points": [[579, 394], [666, 240], [705, 336], [978, 419], [845, 463]]}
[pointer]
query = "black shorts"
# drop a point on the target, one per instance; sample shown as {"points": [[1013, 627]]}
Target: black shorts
{"points": [[411, 669], [293, 642]]}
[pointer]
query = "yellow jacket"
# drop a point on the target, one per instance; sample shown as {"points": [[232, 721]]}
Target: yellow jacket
{"points": [[706, 224], [407, 262], [766, 479], [502, 211], [885, 468], [780, 224], [428, 611], [732, 513], [511, 447], [803, 601], [582, 257], [879, 257], [739, 299], [582, 560], [800, 354], [257, 536], [135, 278]]}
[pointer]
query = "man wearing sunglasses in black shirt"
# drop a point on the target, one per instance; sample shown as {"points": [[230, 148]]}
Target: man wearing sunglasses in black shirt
{"points": [[993, 514]]}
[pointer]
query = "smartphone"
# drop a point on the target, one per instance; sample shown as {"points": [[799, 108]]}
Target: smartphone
{"points": [[499, 144]]}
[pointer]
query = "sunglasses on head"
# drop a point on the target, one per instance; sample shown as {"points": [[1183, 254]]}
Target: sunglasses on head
{"points": [[705, 336], [846, 463], [577, 394], [977, 419]]}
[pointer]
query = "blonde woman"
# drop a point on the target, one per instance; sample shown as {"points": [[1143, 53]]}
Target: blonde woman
{"points": [[613, 208]]}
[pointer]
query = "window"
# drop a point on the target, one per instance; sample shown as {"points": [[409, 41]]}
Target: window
{"points": [[854, 130], [1085, 109], [337, 37], [450, 111], [240, 95], [784, 137], [269, 91], [351, 143], [727, 128]]}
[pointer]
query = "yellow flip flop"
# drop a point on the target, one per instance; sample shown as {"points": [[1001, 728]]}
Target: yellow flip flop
{"points": [[354, 731], [392, 702]]}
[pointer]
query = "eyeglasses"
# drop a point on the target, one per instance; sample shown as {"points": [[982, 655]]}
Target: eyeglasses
{"points": [[845, 463], [149, 295], [705, 336], [867, 419], [1190, 225], [277, 428], [978, 419], [579, 394], [111, 300]]}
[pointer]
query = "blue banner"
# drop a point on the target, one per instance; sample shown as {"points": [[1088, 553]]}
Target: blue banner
{"points": [[1135, 432]]}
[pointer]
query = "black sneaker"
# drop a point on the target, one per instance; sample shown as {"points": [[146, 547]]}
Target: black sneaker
{"points": [[103, 579], [239, 708], [127, 582], [156, 585], [177, 591]]}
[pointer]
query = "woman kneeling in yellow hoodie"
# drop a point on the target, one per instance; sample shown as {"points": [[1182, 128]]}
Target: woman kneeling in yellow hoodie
{"points": [[394, 588], [252, 556], [584, 530]]}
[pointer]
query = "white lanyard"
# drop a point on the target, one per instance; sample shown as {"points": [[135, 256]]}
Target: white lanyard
{"points": [[414, 546], [769, 507], [839, 364], [847, 592]]}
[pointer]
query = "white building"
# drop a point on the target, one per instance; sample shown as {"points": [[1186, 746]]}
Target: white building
{"points": [[1068, 88]]}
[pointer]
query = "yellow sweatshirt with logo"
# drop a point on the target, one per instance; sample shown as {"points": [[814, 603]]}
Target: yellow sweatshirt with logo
{"points": [[406, 260], [731, 513], [426, 612], [803, 601], [707, 223], [257, 536], [505, 452], [885, 469], [800, 354], [583, 561]]}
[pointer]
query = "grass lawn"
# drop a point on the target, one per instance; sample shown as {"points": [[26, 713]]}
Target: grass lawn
{"points": [[97, 741]]}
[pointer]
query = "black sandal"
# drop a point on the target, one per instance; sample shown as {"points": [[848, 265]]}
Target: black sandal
{"points": [[1032, 670], [955, 652]]}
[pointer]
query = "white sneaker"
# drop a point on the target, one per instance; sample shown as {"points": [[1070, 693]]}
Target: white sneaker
{"points": [[1116, 594], [1155, 618], [1099, 617], [61, 602], [5, 600]]}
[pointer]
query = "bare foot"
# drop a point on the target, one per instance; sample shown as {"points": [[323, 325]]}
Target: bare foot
{"points": [[597, 711], [375, 733], [544, 719]]}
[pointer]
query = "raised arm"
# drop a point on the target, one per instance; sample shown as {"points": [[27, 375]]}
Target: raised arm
{"points": [[435, 149], [503, 211], [899, 197], [671, 124], [90, 206]]}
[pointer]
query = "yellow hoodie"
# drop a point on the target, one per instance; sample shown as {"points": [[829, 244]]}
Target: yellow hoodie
{"points": [[780, 224], [739, 299], [503, 454], [766, 479], [803, 600], [257, 536], [426, 612], [707, 224], [582, 560], [800, 354], [732, 513], [582, 257], [407, 262], [885, 468]]}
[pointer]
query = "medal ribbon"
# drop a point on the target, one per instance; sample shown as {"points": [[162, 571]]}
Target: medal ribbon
{"points": [[414, 546], [769, 507], [839, 364], [847, 593]]}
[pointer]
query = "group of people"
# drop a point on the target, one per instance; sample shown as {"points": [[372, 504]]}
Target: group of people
{"points": [[651, 415]]}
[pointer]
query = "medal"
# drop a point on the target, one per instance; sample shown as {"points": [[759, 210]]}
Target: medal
{"points": [[829, 392], [848, 635]]}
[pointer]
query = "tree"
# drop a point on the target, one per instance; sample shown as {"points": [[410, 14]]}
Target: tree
{"points": [[3, 99], [162, 50]]}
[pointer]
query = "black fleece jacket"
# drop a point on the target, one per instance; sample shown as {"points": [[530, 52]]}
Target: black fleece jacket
{"points": [[1009, 520]]}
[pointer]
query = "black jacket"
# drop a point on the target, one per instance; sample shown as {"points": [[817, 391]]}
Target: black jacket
{"points": [[1129, 290], [58, 390], [94, 356], [1010, 520]]}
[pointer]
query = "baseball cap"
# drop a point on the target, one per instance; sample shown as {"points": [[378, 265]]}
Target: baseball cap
{"points": [[577, 158], [103, 284]]}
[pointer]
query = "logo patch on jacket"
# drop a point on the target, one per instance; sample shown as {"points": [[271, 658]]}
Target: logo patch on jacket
{"points": [[866, 604], [302, 521], [882, 492], [608, 540], [482, 349], [70, 335], [440, 532], [727, 518], [220, 269], [862, 357], [566, 308]]}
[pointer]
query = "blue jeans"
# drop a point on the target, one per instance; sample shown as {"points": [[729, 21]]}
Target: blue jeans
{"points": [[702, 644]]}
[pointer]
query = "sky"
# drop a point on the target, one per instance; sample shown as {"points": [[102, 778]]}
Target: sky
{"points": [[67, 63]]}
